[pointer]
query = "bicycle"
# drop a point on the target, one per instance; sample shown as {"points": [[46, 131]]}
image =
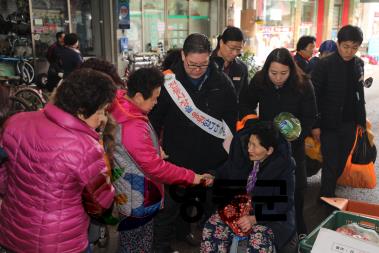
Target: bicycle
{"points": [[16, 104], [23, 68], [34, 99]]}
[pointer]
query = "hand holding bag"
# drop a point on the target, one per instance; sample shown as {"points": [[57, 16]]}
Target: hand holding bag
{"points": [[240, 206]]}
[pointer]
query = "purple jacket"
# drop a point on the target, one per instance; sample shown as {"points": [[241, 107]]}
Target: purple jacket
{"points": [[52, 157]]}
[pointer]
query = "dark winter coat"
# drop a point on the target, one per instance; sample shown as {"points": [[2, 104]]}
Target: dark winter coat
{"points": [[185, 143], [278, 168], [303, 63], [329, 78], [237, 72], [70, 58], [273, 101]]}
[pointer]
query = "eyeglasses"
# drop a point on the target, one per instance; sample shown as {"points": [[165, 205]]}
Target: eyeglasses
{"points": [[231, 49], [196, 66]]}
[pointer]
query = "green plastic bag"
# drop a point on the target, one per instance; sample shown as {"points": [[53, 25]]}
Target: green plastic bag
{"points": [[288, 125]]}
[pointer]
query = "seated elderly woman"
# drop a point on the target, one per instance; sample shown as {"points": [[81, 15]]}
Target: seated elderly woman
{"points": [[260, 161]]}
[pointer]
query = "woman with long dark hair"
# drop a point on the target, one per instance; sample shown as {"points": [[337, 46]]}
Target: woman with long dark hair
{"points": [[281, 87]]}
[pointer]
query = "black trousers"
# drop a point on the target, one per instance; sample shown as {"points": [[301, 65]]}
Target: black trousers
{"points": [[298, 152], [336, 145], [181, 208]]}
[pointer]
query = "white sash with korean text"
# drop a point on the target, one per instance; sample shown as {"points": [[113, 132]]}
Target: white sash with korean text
{"points": [[183, 100]]}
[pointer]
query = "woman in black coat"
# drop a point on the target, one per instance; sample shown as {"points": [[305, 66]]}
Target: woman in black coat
{"points": [[281, 87]]}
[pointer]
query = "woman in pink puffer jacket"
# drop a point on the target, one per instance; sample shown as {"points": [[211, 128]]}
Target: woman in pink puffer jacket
{"points": [[54, 157]]}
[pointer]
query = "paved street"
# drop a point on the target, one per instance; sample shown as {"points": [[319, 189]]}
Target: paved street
{"points": [[314, 212]]}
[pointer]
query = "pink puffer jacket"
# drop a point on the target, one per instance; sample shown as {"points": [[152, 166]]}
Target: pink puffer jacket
{"points": [[52, 157], [136, 138]]}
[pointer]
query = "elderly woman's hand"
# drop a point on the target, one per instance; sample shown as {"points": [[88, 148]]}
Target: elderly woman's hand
{"points": [[246, 222]]}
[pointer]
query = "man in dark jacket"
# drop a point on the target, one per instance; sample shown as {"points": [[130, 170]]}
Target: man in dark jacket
{"points": [[229, 47], [70, 56], [55, 66], [304, 52], [338, 82], [184, 140]]}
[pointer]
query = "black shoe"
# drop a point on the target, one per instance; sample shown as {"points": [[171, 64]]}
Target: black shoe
{"points": [[192, 240]]}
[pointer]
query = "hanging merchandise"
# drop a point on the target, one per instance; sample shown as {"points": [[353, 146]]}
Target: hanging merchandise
{"points": [[124, 14]]}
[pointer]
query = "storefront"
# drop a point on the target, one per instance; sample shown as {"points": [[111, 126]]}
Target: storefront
{"points": [[279, 23], [159, 25], [87, 18], [169, 22], [44, 18]]}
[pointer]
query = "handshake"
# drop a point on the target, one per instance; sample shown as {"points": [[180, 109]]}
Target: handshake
{"points": [[204, 179]]}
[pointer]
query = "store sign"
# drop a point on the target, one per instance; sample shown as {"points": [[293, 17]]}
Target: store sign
{"points": [[124, 14], [274, 29]]}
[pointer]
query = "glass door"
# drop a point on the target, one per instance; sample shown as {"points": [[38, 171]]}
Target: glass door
{"points": [[154, 25], [134, 34], [199, 20], [82, 19], [48, 17], [177, 23]]}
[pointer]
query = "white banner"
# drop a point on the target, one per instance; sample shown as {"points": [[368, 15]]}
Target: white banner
{"points": [[183, 100]]}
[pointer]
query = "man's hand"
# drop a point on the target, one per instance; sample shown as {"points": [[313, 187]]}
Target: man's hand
{"points": [[245, 223], [316, 132]]}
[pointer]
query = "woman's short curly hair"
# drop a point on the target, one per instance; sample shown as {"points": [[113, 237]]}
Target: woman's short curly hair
{"points": [[85, 91], [105, 67], [144, 81]]}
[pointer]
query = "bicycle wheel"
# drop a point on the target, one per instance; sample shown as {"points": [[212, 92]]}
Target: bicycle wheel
{"points": [[26, 71], [19, 105], [32, 96]]}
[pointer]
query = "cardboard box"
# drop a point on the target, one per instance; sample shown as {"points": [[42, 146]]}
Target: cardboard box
{"points": [[369, 209], [329, 241]]}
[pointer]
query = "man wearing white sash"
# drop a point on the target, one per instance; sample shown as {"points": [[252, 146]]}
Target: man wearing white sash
{"points": [[196, 115]]}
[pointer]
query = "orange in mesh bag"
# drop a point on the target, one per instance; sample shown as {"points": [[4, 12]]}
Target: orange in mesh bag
{"points": [[360, 174]]}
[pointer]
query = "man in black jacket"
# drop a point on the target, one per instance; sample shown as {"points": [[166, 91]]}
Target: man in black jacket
{"points": [[229, 47], [338, 82], [184, 140], [55, 64]]}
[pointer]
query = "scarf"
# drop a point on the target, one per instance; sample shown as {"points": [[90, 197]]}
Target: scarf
{"points": [[252, 179]]}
